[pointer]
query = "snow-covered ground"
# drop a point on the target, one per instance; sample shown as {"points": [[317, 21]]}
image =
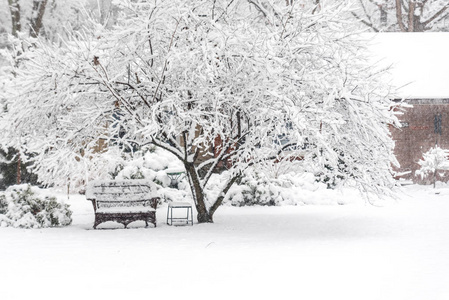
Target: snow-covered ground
{"points": [[399, 250]]}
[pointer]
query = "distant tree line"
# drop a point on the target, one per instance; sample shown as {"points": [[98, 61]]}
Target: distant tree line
{"points": [[403, 15]]}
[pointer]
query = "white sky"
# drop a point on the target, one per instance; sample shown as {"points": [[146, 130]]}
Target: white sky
{"points": [[420, 61]]}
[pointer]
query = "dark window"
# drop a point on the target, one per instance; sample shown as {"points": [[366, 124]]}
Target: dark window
{"points": [[437, 124]]}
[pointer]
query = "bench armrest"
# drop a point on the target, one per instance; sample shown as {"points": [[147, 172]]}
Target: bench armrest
{"points": [[94, 203]]}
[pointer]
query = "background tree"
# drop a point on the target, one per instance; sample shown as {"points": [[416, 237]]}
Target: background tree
{"points": [[403, 15], [53, 18], [49, 19], [16, 24], [264, 79], [9, 170]]}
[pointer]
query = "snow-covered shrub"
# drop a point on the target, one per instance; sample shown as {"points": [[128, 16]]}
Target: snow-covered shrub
{"points": [[148, 163], [436, 159], [3, 205], [20, 207], [288, 189], [256, 190], [152, 164]]}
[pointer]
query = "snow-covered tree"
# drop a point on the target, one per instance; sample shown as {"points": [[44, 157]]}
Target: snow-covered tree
{"points": [[434, 160], [403, 15], [28, 16], [216, 83], [49, 19], [52, 18]]}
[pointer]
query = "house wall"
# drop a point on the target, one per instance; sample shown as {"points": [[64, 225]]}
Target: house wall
{"points": [[419, 132]]}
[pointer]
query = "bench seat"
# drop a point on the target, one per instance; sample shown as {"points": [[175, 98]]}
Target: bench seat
{"points": [[124, 210], [123, 201]]}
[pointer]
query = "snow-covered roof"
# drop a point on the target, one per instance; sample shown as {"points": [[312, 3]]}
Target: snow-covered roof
{"points": [[419, 62]]}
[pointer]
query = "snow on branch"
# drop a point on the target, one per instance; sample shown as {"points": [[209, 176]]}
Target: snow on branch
{"points": [[222, 93]]}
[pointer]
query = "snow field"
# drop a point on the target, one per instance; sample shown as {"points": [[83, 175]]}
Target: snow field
{"points": [[355, 251]]}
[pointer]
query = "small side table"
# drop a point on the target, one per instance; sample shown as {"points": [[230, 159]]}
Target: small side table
{"points": [[180, 205]]}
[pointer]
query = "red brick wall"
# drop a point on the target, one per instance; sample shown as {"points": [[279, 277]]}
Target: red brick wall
{"points": [[418, 135]]}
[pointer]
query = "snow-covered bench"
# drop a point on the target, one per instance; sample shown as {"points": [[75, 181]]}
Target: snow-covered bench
{"points": [[123, 201]]}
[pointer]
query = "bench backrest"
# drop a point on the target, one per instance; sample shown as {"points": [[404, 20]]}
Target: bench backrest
{"points": [[122, 193]]}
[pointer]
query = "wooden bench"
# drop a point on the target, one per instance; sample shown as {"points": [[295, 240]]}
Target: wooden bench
{"points": [[123, 201]]}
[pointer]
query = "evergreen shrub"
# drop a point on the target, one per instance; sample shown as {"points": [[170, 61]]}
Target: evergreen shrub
{"points": [[256, 190], [20, 207]]}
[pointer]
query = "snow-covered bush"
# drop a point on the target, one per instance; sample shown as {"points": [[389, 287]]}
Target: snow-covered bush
{"points": [[20, 207], [436, 159], [152, 164], [3, 205], [288, 189], [256, 189]]}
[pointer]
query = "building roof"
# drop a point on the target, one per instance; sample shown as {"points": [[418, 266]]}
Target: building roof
{"points": [[419, 62]]}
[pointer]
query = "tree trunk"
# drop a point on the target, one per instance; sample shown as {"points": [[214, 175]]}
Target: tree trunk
{"points": [[205, 218], [203, 215], [221, 197], [399, 15], [411, 16], [19, 170], [434, 178], [37, 17], [383, 16], [14, 8]]}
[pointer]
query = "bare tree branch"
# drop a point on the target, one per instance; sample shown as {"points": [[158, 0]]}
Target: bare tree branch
{"points": [[439, 13], [365, 22]]}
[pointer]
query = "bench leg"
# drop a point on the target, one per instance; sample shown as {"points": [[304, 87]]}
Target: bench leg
{"points": [[96, 222], [168, 215], [127, 222]]}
